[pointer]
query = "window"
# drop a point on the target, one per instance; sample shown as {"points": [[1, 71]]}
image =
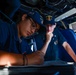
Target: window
{"points": [[73, 26]]}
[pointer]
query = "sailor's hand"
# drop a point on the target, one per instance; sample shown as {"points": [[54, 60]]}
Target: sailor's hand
{"points": [[49, 36]]}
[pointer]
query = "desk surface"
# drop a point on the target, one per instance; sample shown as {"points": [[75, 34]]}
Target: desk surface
{"points": [[49, 68]]}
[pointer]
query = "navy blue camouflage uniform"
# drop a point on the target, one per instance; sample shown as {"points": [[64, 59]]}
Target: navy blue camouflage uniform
{"points": [[9, 40], [53, 48]]}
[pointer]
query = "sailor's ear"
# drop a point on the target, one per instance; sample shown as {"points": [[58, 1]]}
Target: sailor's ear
{"points": [[24, 16]]}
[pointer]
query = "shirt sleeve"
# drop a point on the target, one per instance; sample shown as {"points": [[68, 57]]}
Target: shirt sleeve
{"points": [[61, 38], [3, 33]]}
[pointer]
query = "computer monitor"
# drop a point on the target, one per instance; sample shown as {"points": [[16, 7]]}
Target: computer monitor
{"points": [[73, 26]]}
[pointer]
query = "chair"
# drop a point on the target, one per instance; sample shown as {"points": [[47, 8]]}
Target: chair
{"points": [[71, 39]]}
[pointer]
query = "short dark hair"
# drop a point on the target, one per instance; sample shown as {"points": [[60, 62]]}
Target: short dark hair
{"points": [[18, 16]]}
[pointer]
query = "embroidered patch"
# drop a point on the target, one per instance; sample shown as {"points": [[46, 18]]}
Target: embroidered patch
{"points": [[41, 19], [49, 18], [56, 42]]}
